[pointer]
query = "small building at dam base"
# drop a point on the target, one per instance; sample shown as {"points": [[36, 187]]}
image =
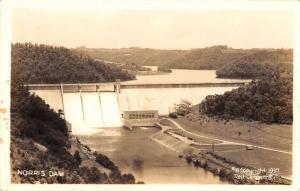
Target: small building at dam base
{"points": [[139, 118]]}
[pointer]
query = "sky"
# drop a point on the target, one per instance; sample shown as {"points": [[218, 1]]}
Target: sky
{"points": [[162, 29]]}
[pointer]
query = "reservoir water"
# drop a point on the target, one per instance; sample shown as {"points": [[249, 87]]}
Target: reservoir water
{"points": [[182, 76]]}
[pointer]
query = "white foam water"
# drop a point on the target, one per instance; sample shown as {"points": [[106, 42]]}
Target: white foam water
{"points": [[73, 110], [92, 110], [93, 116], [110, 109]]}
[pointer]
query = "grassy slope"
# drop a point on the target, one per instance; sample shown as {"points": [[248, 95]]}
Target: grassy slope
{"points": [[275, 136], [250, 131]]}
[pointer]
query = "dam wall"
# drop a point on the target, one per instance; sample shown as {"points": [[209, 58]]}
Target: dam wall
{"points": [[91, 87], [101, 105], [187, 85]]}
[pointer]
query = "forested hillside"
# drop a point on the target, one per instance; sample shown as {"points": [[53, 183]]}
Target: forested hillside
{"points": [[258, 64], [268, 98], [136, 55], [47, 64], [210, 58], [215, 58]]}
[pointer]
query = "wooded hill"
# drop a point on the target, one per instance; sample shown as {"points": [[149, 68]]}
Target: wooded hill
{"points": [[268, 98], [136, 55], [258, 64], [34, 63]]}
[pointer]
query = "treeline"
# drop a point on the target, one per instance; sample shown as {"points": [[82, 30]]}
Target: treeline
{"points": [[268, 98], [34, 63], [201, 58], [258, 64], [140, 56], [208, 58]]}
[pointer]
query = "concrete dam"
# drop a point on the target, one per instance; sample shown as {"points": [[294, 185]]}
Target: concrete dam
{"points": [[102, 104]]}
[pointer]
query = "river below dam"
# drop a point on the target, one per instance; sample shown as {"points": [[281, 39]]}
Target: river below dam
{"points": [[134, 152]]}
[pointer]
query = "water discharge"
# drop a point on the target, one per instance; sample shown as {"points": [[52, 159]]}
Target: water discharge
{"points": [[73, 109], [110, 109], [92, 109]]}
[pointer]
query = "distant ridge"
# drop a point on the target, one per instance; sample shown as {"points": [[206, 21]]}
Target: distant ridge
{"points": [[213, 57]]}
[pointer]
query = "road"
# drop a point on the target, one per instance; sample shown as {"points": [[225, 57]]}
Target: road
{"points": [[225, 141]]}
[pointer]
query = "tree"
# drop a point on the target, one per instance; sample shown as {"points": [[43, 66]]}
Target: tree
{"points": [[183, 107]]}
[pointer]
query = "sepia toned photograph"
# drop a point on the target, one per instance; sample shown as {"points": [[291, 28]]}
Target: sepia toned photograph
{"points": [[151, 96]]}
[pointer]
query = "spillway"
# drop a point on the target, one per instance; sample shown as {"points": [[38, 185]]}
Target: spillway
{"points": [[73, 109], [110, 109], [92, 110]]}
